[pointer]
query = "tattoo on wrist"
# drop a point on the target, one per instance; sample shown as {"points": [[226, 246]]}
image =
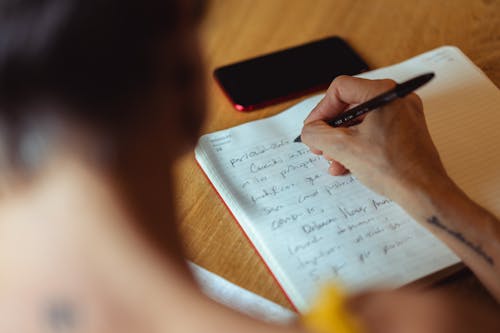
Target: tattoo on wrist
{"points": [[461, 238], [61, 316]]}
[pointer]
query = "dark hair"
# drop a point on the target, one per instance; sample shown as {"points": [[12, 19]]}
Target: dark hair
{"points": [[94, 54]]}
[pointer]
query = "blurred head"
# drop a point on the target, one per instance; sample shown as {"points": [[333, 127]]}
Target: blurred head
{"points": [[117, 68]]}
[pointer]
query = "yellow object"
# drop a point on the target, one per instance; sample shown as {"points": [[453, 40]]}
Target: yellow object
{"points": [[328, 314]]}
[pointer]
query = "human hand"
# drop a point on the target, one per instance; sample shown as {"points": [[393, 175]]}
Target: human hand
{"points": [[421, 311], [390, 148]]}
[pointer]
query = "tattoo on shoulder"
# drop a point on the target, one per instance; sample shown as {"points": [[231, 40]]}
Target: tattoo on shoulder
{"points": [[61, 316], [460, 237]]}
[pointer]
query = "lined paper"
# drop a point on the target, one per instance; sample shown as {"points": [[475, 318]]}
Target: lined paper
{"points": [[311, 227]]}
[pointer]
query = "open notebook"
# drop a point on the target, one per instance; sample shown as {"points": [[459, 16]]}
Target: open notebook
{"points": [[310, 227]]}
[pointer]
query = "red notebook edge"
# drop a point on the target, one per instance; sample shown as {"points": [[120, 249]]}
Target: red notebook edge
{"points": [[248, 238]]}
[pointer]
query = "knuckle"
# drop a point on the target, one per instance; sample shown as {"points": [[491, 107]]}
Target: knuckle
{"points": [[415, 101], [387, 83], [339, 80], [376, 87]]}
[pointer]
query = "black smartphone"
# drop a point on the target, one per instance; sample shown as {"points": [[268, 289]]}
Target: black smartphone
{"points": [[289, 73]]}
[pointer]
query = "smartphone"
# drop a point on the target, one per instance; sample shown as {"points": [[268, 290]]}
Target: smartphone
{"points": [[289, 73]]}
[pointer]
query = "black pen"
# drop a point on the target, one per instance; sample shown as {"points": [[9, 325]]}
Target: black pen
{"points": [[401, 90]]}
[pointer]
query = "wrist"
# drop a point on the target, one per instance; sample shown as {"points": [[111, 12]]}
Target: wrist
{"points": [[420, 197]]}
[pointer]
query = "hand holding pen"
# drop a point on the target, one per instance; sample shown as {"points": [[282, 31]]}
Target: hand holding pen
{"points": [[400, 90], [388, 151]]}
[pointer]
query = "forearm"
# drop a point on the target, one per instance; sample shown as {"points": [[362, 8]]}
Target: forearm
{"points": [[467, 228]]}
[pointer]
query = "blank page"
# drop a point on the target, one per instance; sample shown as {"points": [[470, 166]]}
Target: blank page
{"points": [[310, 227]]}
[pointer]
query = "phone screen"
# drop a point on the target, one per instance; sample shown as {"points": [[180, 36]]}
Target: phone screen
{"points": [[289, 73]]}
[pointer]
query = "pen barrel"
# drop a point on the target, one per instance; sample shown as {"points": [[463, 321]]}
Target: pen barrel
{"points": [[411, 85], [401, 90], [363, 108]]}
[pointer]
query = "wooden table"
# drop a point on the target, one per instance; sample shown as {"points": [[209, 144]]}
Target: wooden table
{"points": [[383, 32]]}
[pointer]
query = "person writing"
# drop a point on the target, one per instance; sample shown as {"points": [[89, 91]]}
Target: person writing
{"points": [[92, 95]]}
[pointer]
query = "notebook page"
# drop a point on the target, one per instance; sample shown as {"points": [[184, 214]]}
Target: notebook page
{"points": [[310, 227]]}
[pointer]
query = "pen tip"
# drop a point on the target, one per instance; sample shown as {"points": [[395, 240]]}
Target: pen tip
{"points": [[297, 139]]}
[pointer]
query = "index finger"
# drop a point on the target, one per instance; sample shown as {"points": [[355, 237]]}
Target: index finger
{"points": [[345, 91]]}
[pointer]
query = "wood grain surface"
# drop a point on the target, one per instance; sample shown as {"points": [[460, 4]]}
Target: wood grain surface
{"points": [[383, 32]]}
